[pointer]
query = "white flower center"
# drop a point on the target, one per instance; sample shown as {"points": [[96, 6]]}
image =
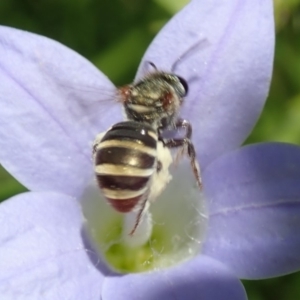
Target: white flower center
{"points": [[171, 231]]}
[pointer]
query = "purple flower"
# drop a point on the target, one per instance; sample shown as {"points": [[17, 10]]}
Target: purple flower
{"points": [[47, 124]]}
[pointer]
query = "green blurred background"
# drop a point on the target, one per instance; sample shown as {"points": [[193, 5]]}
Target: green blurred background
{"points": [[106, 32]]}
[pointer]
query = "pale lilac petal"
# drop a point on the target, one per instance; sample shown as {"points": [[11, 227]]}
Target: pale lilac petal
{"points": [[199, 279], [253, 199], [228, 73], [42, 252], [48, 116]]}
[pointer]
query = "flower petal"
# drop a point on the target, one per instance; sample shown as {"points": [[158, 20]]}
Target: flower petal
{"points": [[228, 73], [199, 279], [48, 119], [42, 252], [253, 199]]}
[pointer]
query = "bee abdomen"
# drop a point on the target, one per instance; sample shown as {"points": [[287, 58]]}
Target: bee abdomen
{"points": [[125, 161], [126, 205], [121, 156]]}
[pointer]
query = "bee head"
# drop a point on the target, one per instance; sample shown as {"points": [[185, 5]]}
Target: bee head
{"points": [[154, 98]]}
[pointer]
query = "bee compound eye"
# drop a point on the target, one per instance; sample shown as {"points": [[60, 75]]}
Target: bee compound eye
{"points": [[184, 91]]}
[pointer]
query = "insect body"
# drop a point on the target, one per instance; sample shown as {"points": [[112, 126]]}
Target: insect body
{"points": [[127, 162], [132, 158], [156, 100]]}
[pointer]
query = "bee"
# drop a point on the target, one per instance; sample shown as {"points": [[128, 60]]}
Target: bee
{"points": [[156, 100], [128, 158]]}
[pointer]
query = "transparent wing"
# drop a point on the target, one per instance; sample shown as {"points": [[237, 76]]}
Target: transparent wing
{"points": [[92, 103]]}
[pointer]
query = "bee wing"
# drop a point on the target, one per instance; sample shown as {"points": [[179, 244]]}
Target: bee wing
{"points": [[92, 103]]}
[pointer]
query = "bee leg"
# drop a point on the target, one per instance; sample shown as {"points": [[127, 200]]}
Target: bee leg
{"points": [[94, 149], [185, 142], [139, 216], [97, 142], [184, 124]]}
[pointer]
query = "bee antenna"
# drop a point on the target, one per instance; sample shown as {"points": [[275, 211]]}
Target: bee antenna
{"points": [[187, 52], [152, 65], [147, 63], [145, 67]]}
